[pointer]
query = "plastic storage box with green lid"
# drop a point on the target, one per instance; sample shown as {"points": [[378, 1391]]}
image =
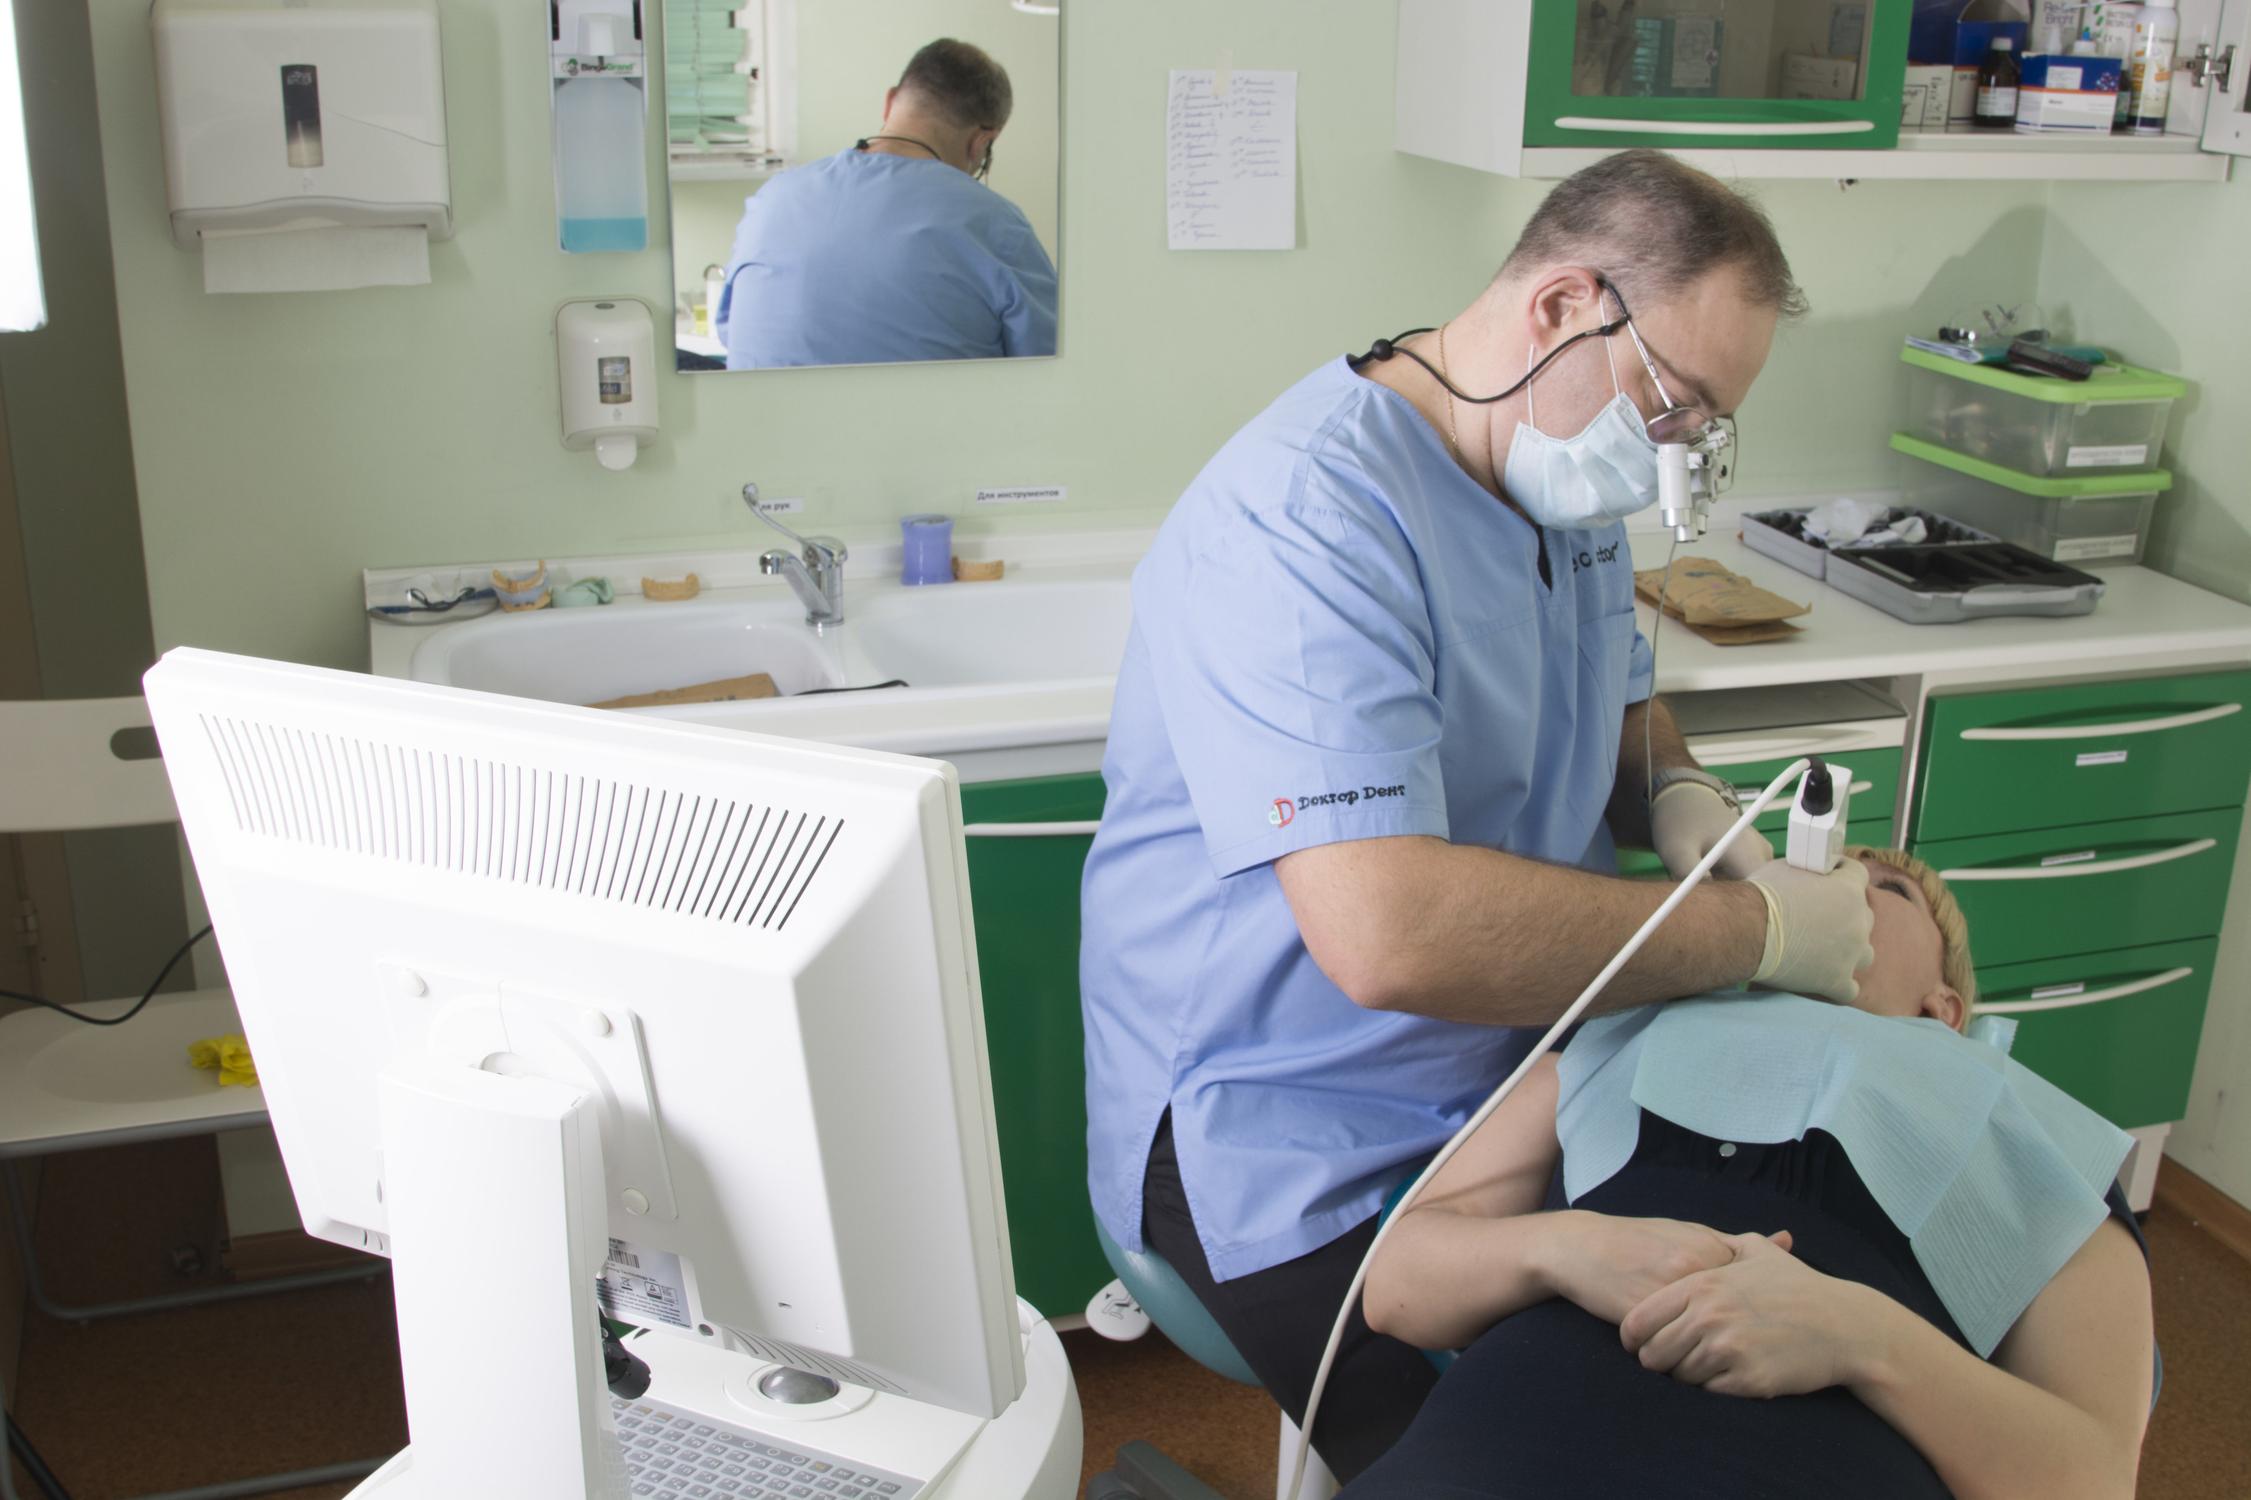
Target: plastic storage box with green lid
{"points": [[2039, 425], [2081, 518]]}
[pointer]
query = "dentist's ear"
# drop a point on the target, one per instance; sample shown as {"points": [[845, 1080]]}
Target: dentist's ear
{"points": [[1943, 1004]]}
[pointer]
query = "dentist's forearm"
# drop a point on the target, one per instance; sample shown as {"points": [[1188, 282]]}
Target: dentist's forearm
{"points": [[1470, 934], [1650, 742]]}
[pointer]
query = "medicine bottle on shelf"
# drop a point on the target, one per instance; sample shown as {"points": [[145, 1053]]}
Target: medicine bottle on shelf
{"points": [[2149, 67], [1997, 87]]}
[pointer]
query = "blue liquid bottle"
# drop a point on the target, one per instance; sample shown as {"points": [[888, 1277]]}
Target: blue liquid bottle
{"points": [[601, 113]]}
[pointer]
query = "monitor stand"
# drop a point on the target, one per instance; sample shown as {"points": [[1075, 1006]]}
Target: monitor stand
{"points": [[499, 1224]]}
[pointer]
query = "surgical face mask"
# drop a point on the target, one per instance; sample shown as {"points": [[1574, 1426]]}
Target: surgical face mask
{"points": [[1606, 472]]}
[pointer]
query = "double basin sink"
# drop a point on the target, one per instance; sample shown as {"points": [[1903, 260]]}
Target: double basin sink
{"points": [[970, 656]]}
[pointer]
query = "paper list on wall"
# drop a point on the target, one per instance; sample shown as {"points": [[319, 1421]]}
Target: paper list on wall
{"points": [[1231, 160]]}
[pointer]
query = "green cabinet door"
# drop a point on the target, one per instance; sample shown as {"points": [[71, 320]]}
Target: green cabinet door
{"points": [[2057, 891], [2116, 1031], [2083, 753], [1025, 892]]}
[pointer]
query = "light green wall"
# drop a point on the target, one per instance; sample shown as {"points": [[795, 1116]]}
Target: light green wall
{"points": [[62, 388], [849, 52], [2158, 273], [285, 442]]}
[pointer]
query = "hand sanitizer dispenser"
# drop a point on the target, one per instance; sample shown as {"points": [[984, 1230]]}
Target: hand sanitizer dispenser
{"points": [[601, 108], [606, 353]]}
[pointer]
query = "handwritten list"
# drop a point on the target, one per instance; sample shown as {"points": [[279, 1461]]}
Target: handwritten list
{"points": [[1231, 160]]}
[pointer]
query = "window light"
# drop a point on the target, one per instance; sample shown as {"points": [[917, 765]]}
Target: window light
{"points": [[23, 304]]}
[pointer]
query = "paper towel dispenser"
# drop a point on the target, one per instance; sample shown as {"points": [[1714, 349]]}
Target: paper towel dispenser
{"points": [[301, 115]]}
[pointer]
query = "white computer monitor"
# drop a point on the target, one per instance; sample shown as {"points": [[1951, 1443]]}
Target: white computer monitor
{"points": [[750, 959]]}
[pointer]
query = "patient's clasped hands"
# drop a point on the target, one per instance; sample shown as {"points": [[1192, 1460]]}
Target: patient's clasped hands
{"points": [[1735, 1313], [1763, 1324], [1608, 1264]]}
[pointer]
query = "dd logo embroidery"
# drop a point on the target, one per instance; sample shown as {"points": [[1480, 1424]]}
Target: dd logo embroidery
{"points": [[1281, 812]]}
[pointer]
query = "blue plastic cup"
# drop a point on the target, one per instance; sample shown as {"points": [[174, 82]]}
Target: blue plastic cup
{"points": [[930, 549]]}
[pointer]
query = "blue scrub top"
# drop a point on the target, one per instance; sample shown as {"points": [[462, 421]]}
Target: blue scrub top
{"points": [[1337, 635], [862, 258]]}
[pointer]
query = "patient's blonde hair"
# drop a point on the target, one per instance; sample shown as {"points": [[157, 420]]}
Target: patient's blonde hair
{"points": [[1953, 928]]}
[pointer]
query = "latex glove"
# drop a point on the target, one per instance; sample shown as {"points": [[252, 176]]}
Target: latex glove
{"points": [[1766, 1324], [1688, 817], [1817, 929]]}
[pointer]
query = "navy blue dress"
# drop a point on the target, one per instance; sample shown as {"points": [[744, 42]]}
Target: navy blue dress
{"points": [[1549, 1405]]}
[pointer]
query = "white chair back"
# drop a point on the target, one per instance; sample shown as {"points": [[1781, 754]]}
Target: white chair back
{"points": [[60, 771]]}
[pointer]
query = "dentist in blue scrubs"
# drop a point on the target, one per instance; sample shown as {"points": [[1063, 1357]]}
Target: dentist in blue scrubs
{"points": [[1379, 726], [895, 249]]}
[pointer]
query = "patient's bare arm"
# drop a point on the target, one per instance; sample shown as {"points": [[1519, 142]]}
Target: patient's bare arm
{"points": [[1474, 1249]]}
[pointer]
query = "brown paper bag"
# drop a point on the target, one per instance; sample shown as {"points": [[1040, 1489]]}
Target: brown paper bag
{"points": [[1718, 603], [725, 690]]}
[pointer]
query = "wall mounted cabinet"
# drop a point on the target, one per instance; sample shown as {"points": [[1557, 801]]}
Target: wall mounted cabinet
{"points": [[1541, 90]]}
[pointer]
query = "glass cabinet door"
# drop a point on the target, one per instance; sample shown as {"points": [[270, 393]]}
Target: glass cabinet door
{"points": [[1717, 72]]}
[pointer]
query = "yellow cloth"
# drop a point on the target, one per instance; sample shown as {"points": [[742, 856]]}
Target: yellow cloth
{"points": [[230, 1055]]}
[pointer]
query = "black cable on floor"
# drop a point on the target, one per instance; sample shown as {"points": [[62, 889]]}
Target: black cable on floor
{"points": [[33, 1464], [117, 1020]]}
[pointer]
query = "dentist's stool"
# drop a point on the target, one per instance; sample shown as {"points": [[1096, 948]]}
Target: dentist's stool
{"points": [[1143, 1473]]}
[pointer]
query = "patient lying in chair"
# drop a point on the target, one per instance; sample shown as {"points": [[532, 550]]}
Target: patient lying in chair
{"points": [[1908, 1245]]}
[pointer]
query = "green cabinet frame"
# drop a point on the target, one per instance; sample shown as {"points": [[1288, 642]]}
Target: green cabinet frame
{"points": [[1703, 122], [1025, 894]]}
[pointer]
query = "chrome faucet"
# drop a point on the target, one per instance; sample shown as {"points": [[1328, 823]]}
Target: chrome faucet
{"points": [[815, 572]]}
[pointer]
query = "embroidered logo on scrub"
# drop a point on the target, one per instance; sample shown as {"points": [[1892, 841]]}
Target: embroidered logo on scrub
{"points": [[1286, 809]]}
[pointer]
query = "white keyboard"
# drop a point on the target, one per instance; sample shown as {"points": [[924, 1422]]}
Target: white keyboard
{"points": [[678, 1455]]}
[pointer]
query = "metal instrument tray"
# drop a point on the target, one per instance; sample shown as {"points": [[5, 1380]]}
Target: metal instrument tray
{"points": [[1780, 534], [1941, 584], [1961, 573]]}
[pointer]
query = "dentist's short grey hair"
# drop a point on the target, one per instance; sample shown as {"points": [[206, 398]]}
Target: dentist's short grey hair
{"points": [[1653, 226], [962, 83]]}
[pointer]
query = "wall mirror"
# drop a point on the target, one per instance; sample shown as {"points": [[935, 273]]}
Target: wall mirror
{"points": [[862, 181]]}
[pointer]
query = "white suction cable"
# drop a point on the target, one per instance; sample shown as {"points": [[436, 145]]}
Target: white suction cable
{"points": [[1547, 1043]]}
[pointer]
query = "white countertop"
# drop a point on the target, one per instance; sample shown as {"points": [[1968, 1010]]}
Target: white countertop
{"points": [[2144, 618], [2146, 621]]}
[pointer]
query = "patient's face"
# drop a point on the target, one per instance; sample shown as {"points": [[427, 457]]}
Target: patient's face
{"points": [[1906, 978]]}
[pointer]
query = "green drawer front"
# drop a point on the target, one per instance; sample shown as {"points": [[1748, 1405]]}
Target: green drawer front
{"points": [[2088, 890], [2120, 1029], [2085, 753], [1875, 798], [1026, 895]]}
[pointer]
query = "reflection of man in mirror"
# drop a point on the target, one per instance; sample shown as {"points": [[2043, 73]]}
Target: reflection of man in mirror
{"points": [[895, 249]]}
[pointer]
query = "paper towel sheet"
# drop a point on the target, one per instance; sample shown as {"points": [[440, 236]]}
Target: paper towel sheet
{"points": [[314, 260]]}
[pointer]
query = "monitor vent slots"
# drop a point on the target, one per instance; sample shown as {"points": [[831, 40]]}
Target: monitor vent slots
{"points": [[610, 840], [797, 1357]]}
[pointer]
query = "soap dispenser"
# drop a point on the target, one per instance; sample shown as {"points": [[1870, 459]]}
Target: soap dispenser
{"points": [[606, 356], [600, 78]]}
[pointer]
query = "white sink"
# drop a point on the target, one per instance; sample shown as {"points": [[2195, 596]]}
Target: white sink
{"points": [[979, 634], [591, 655], [949, 642]]}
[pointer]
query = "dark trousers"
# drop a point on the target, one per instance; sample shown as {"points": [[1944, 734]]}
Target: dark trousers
{"points": [[1279, 1320]]}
